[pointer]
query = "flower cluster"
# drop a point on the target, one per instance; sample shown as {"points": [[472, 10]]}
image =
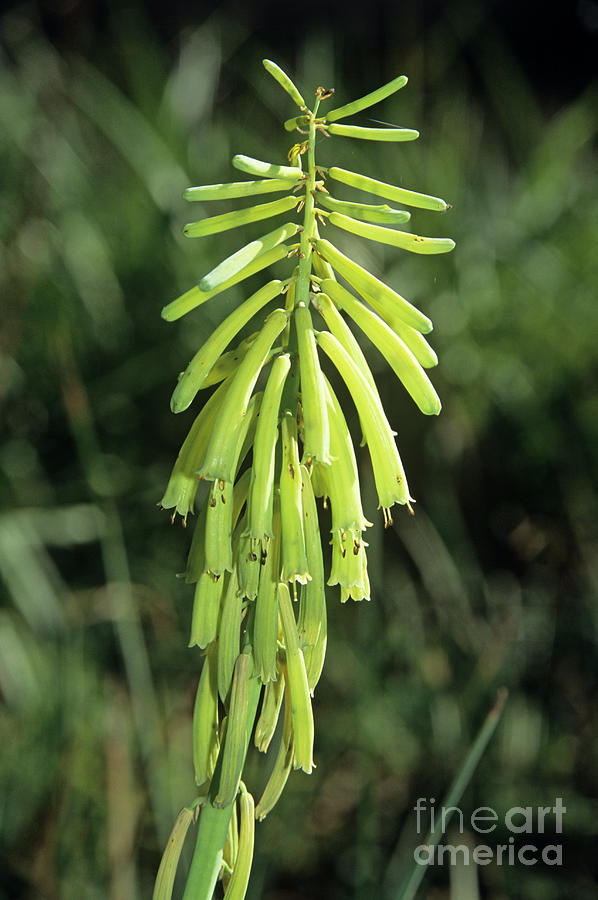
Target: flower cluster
{"points": [[271, 439]]}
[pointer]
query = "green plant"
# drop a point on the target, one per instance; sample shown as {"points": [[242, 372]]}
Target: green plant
{"points": [[257, 530]]}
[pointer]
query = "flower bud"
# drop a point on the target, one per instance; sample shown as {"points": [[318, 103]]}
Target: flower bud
{"points": [[219, 510], [301, 711], [313, 398], [265, 624], [349, 565], [342, 477], [205, 722], [226, 221], [365, 282], [220, 455], [237, 261], [229, 634], [294, 560], [243, 699], [283, 762], [170, 859], [261, 490], [391, 483], [183, 482], [271, 705], [415, 243], [195, 297], [237, 886], [312, 604], [206, 357], [402, 361], [206, 609]]}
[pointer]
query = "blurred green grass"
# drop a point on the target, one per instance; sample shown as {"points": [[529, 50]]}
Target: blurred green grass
{"points": [[493, 582]]}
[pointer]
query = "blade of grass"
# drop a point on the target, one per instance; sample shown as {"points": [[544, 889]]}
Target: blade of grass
{"points": [[464, 879], [125, 613], [413, 878], [132, 134]]}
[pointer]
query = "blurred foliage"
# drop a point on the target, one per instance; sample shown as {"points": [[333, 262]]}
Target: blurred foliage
{"points": [[493, 582]]}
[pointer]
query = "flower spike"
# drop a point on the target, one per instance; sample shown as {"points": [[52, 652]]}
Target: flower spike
{"points": [[272, 438]]}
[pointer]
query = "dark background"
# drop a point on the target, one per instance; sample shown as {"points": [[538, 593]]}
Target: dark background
{"points": [[107, 112]]}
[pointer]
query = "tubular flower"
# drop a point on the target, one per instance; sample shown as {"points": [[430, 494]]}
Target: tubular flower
{"points": [[271, 439]]}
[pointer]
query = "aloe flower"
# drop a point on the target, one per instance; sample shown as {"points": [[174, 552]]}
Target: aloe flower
{"points": [[272, 440]]}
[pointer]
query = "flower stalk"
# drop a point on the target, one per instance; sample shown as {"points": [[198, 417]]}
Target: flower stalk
{"points": [[256, 556]]}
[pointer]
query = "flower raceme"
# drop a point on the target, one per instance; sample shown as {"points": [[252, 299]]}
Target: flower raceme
{"points": [[271, 438]]}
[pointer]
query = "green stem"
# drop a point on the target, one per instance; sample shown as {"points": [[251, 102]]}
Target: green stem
{"points": [[303, 281], [207, 856], [214, 822], [305, 247]]}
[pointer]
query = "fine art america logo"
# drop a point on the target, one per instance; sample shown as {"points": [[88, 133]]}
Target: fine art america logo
{"points": [[518, 820]]}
